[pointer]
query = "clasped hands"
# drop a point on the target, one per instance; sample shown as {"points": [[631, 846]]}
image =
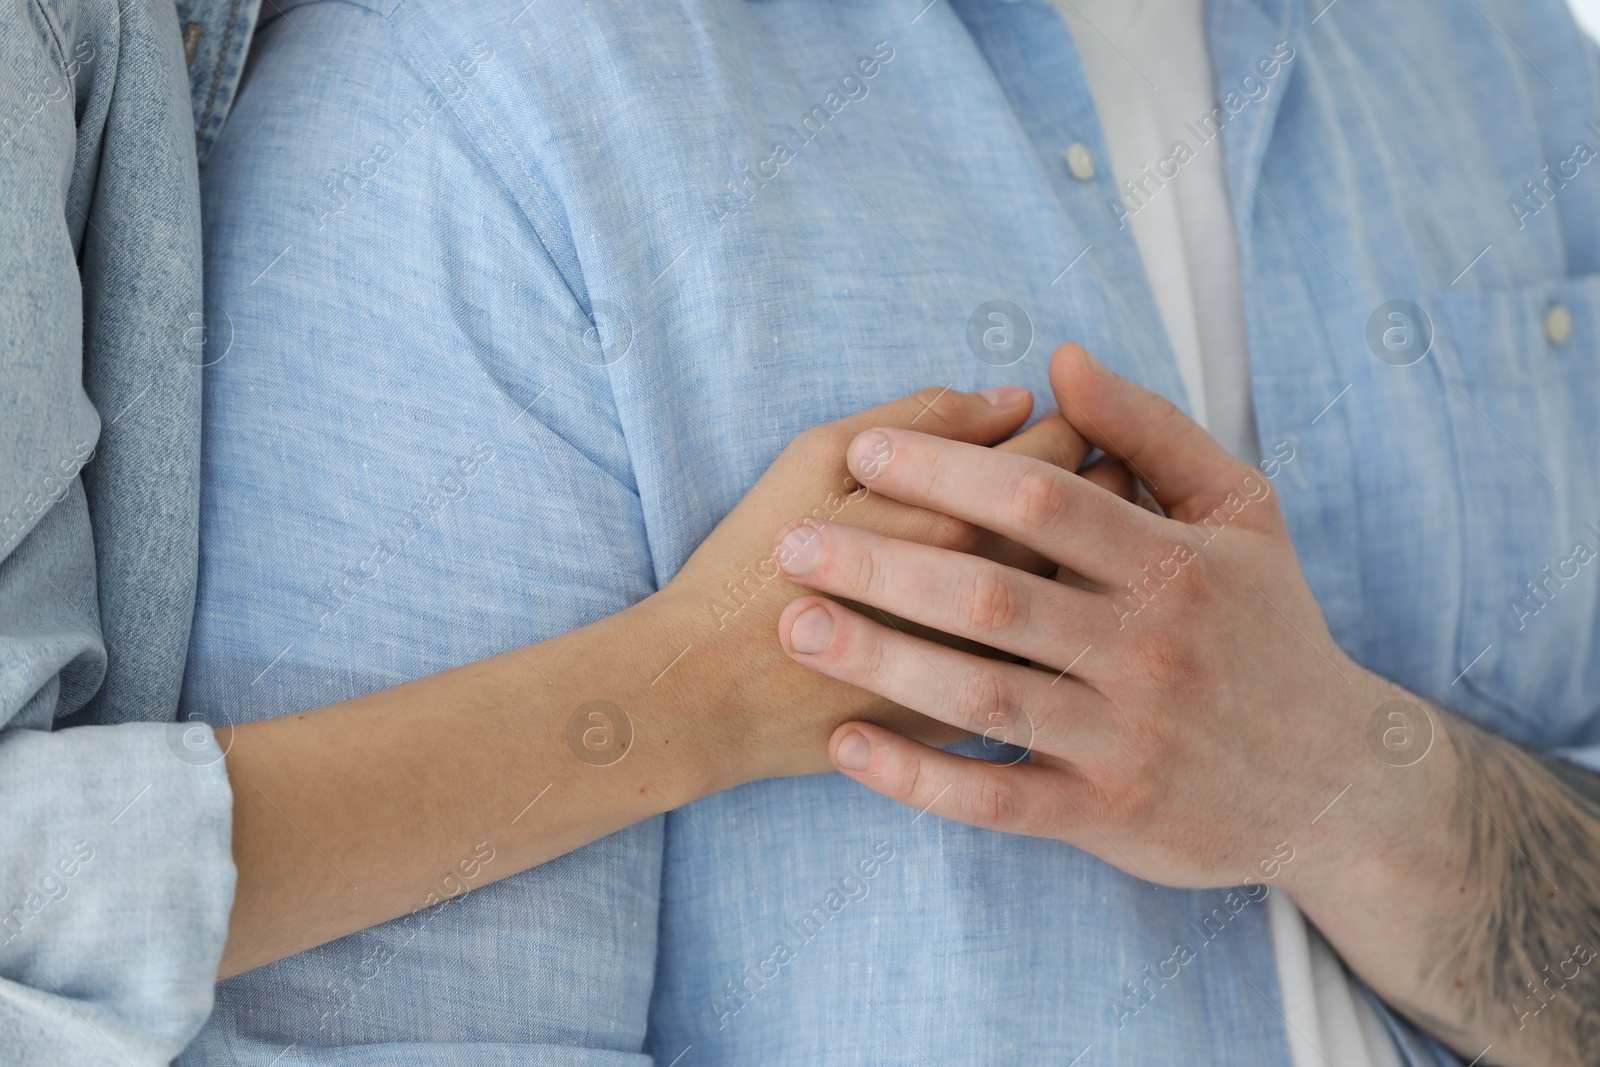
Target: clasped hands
{"points": [[1184, 703]]}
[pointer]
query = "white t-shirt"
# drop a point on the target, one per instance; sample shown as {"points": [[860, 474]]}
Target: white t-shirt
{"points": [[1150, 72]]}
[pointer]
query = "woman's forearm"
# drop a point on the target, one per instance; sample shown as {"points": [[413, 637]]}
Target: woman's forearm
{"points": [[354, 814], [360, 812]]}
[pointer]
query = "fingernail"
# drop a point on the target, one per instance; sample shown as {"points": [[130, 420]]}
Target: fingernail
{"points": [[811, 632], [854, 752], [799, 550], [869, 455], [1098, 368], [1004, 396]]}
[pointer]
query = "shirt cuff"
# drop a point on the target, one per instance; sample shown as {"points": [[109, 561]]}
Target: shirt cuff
{"points": [[116, 883]]}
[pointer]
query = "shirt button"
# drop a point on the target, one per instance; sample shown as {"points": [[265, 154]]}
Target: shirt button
{"points": [[1079, 161], [1557, 325]]}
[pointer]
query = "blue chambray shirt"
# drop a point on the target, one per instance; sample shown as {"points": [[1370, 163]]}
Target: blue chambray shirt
{"points": [[116, 874], [523, 297]]}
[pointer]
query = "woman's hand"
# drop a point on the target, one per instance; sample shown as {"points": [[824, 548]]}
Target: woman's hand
{"points": [[772, 717]]}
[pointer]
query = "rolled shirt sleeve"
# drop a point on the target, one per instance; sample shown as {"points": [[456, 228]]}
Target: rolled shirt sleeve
{"points": [[116, 869], [117, 885]]}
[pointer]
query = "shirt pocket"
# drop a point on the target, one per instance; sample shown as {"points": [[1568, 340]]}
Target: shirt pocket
{"points": [[1521, 374]]}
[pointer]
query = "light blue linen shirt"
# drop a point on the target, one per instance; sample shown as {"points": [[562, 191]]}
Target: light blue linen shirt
{"points": [[523, 297]]}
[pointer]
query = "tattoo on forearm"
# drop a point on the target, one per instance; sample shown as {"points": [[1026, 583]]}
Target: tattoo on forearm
{"points": [[1524, 945]]}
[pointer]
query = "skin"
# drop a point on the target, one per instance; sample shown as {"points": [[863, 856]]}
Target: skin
{"points": [[1186, 727], [361, 812]]}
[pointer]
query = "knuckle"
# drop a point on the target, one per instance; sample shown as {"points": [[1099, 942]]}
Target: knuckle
{"points": [[1129, 799], [870, 656], [1038, 498], [1166, 655], [866, 573], [1193, 581], [993, 801], [909, 781], [939, 408], [854, 660], [989, 603], [1166, 414], [1128, 777], [933, 462], [981, 699]]}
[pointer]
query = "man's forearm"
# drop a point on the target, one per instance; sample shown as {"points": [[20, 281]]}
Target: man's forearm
{"points": [[1476, 909], [1522, 951]]}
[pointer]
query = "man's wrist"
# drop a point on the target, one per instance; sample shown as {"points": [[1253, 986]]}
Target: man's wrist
{"points": [[1381, 848], [1374, 886]]}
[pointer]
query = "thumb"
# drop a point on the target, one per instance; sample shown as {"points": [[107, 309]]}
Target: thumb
{"points": [[1183, 466]]}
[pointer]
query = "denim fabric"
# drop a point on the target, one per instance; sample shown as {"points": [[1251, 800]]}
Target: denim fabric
{"points": [[216, 38], [524, 297], [116, 873]]}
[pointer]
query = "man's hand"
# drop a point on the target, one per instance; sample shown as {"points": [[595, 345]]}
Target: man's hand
{"points": [[1190, 716], [1185, 700]]}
